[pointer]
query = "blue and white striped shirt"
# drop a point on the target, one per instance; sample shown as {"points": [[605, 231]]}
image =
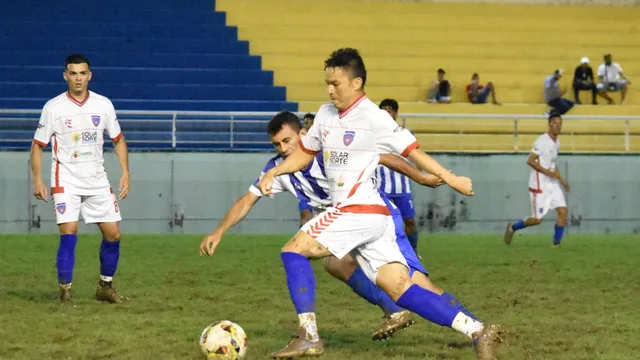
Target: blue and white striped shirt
{"points": [[309, 185], [391, 182]]}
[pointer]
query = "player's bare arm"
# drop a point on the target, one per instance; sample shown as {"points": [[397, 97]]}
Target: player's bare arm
{"points": [[297, 161], [564, 182], [236, 213], [395, 163], [39, 189], [535, 164], [425, 162], [120, 148]]}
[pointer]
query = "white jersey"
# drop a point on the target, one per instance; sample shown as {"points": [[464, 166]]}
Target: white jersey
{"points": [[547, 150], [611, 73], [351, 142], [308, 185], [77, 133]]}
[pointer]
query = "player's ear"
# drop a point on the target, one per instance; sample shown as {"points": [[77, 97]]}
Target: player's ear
{"points": [[64, 76], [303, 132], [90, 74], [357, 83]]}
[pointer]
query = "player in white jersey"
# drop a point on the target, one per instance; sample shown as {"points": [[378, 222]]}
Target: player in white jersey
{"points": [[397, 187], [352, 133], [75, 123], [545, 183]]}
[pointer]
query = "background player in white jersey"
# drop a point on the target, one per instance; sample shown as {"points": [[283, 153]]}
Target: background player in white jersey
{"points": [[351, 134], [397, 187], [545, 183], [75, 122]]}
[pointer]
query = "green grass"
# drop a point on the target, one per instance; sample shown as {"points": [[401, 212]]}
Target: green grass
{"points": [[578, 302]]}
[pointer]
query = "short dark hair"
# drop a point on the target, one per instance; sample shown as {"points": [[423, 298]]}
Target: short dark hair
{"points": [[553, 115], [348, 59], [309, 116], [389, 103], [76, 59], [281, 119], [475, 75], [441, 71]]}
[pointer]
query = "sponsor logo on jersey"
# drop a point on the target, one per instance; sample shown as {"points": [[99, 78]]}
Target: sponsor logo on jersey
{"points": [[95, 119], [40, 125], [76, 138], [347, 138], [89, 137], [61, 208], [336, 159], [79, 154]]}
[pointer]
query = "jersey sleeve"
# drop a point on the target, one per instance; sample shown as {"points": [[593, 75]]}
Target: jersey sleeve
{"points": [[601, 70], [276, 187], [538, 147], [312, 142], [112, 125], [619, 67], [393, 138], [44, 132]]}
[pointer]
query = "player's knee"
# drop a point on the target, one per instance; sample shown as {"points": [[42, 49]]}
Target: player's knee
{"points": [[536, 221], [394, 279], [113, 235], [68, 228], [333, 266]]}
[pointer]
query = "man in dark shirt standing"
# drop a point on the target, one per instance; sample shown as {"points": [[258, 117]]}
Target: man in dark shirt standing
{"points": [[583, 80]]}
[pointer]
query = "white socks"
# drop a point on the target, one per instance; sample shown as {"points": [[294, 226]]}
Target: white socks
{"points": [[466, 325], [308, 323]]}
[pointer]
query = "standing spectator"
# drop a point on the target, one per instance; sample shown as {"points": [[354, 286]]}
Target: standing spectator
{"points": [[612, 79], [479, 94], [553, 94], [307, 120], [583, 80], [440, 91]]}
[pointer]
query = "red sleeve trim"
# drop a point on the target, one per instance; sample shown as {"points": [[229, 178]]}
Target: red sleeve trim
{"points": [[39, 142], [310, 152], [410, 148], [117, 138]]}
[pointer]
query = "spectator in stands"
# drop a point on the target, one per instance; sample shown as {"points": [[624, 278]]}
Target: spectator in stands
{"points": [[553, 94], [583, 80], [307, 120], [479, 94], [440, 91], [612, 79]]}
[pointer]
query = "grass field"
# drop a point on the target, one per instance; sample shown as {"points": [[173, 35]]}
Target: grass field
{"points": [[581, 301]]}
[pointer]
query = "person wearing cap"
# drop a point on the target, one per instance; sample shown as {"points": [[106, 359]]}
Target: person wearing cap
{"points": [[553, 94], [440, 91], [612, 79], [583, 80]]}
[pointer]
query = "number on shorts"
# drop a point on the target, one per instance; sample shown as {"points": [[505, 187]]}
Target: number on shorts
{"points": [[115, 204]]}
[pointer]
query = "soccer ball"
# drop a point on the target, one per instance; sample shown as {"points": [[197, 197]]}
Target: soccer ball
{"points": [[223, 340]]}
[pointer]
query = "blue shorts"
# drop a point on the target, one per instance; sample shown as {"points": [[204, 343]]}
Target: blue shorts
{"points": [[304, 206], [403, 243], [482, 97], [404, 202]]}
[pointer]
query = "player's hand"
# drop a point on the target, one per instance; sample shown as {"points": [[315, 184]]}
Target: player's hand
{"points": [[462, 184], [431, 181], [209, 244], [266, 182], [124, 185], [40, 190], [566, 185]]}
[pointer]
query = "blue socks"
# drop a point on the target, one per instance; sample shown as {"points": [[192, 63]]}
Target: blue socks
{"points": [[301, 281], [429, 305], [413, 240], [109, 256], [557, 234], [66, 258], [518, 225], [454, 302], [362, 286]]}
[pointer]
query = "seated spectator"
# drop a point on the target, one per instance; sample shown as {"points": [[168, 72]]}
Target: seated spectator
{"points": [[583, 80], [479, 94], [553, 94], [307, 120], [612, 79], [440, 91]]}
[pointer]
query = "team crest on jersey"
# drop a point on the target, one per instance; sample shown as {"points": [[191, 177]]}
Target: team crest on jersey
{"points": [[61, 207], [95, 119], [347, 139]]}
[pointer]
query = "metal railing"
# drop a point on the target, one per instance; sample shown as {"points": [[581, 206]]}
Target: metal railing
{"points": [[192, 130]]}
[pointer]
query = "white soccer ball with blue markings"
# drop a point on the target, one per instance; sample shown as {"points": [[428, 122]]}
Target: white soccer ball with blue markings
{"points": [[223, 340]]}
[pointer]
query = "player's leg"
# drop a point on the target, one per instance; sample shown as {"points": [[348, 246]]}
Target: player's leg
{"points": [[382, 261], [559, 203], [404, 203], [602, 91], [540, 203], [104, 211], [67, 209]]}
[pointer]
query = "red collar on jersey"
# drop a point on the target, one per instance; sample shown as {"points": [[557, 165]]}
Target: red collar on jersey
{"points": [[344, 113], [79, 103]]}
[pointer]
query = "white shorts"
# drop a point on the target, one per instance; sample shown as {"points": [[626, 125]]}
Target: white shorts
{"points": [[95, 208], [550, 198], [369, 238]]}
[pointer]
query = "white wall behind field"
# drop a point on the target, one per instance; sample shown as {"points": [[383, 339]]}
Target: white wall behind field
{"points": [[604, 197]]}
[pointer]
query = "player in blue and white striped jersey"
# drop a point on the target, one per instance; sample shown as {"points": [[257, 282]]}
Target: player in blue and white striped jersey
{"points": [[397, 187], [311, 188]]}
